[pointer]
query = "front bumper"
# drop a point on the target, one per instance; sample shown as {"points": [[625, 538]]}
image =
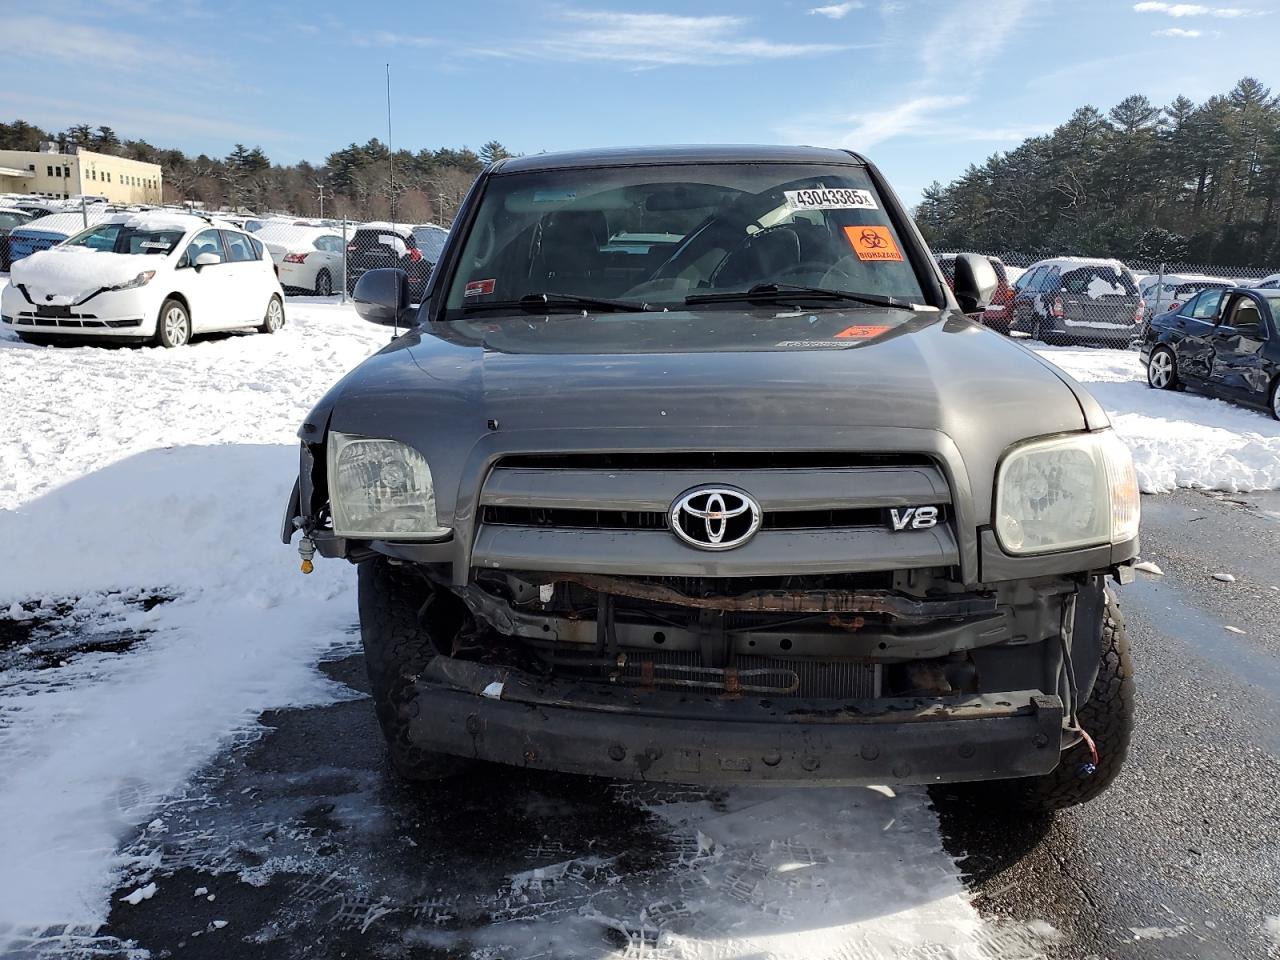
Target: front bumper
{"points": [[125, 313], [507, 717]]}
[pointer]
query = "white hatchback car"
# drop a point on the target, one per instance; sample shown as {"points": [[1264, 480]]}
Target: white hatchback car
{"points": [[145, 276]]}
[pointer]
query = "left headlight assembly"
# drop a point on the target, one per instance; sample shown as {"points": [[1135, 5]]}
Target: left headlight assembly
{"points": [[1066, 492], [141, 280], [381, 490]]}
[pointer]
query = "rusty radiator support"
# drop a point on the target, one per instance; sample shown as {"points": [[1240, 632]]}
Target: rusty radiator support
{"points": [[884, 602]]}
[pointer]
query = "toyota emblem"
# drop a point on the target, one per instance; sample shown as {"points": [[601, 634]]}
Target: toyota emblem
{"points": [[714, 518]]}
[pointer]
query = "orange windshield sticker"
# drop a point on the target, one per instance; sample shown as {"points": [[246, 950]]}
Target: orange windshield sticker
{"points": [[873, 243], [860, 332]]}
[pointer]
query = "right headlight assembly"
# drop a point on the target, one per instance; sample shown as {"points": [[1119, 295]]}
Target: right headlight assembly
{"points": [[381, 490], [1066, 492]]}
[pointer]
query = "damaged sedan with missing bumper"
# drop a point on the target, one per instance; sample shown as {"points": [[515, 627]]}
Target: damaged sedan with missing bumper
{"points": [[690, 468]]}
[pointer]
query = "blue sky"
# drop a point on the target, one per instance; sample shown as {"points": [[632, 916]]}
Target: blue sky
{"points": [[924, 87]]}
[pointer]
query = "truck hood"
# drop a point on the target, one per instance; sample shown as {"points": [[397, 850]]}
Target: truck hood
{"points": [[66, 275], [716, 368], [845, 381]]}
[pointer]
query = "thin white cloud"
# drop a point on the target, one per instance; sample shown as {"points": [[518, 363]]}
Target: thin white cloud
{"points": [[859, 131], [998, 18], [654, 40], [1193, 10], [836, 11], [1178, 32], [44, 38], [137, 120], [387, 38]]}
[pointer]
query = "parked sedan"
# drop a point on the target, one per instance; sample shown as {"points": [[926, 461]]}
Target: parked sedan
{"points": [[10, 218], [1222, 342], [157, 277], [307, 259], [1167, 294]]}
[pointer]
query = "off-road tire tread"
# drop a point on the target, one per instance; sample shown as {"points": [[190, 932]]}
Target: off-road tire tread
{"points": [[394, 605], [1107, 716]]}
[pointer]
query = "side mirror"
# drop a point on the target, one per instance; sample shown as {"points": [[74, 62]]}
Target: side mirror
{"points": [[382, 296], [976, 282], [206, 259]]}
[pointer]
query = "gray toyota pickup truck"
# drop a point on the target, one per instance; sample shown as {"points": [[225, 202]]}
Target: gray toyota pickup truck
{"points": [[690, 467]]}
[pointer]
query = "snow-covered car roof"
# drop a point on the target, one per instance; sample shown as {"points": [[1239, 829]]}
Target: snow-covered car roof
{"points": [[1176, 278], [166, 220], [399, 227], [63, 223], [1071, 263], [291, 236]]}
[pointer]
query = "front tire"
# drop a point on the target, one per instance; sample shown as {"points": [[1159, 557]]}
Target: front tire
{"points": [[398, 613], [1274, 405], [1162, 370], [173, 329], [273, 319], [1107, 717]]}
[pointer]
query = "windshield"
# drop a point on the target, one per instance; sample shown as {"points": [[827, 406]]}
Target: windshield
{"points": [[120, 238], [657, 234]]}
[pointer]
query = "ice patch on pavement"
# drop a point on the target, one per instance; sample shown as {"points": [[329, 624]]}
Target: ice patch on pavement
{"points": [[1178, 439]]}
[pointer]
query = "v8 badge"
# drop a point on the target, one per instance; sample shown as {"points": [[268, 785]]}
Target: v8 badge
{"points": [[913, 518]]}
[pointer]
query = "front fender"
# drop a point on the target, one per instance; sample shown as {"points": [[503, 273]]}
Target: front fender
{"points": [[292, 513]]}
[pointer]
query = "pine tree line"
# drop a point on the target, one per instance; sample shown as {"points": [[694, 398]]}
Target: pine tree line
{"points": [[1180, 183], [360, 182]]}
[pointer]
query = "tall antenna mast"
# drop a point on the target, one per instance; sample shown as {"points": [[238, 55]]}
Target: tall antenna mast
{"points": [[391, 157]]}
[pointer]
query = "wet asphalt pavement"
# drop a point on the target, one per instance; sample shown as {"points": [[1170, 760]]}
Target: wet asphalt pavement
{"points": [[300, 843], [1181, 858]]}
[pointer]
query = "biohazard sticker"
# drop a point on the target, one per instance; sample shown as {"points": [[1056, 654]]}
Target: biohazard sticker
{"points": [[873, 243], [479, 288], [836, 199], [860, 332]]}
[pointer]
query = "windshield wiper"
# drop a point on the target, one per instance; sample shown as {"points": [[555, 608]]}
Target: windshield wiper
{"points": [[785, 291], [548, 302]]}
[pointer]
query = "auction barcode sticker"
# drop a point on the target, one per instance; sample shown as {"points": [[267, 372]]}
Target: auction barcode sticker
{"points": [[833, 199]]}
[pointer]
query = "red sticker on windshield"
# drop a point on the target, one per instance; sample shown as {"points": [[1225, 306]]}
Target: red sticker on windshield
{"points": [[860, 332], [479, 288]]}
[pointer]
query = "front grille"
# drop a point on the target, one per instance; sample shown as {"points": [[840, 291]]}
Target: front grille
{"points": [[575, 519], [74, 322], [607, 513], [572, 519]]}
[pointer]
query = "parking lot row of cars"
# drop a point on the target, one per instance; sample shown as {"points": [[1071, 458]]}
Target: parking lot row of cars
{"points": [[1090, 300], [308, 254]]}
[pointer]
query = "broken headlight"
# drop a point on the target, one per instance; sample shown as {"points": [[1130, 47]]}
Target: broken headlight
{"points": [[1066, 492], [381, 489]]}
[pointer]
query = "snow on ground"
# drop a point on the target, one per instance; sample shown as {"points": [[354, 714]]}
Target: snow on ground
{"points": [[167, 471], [1177, 439]]}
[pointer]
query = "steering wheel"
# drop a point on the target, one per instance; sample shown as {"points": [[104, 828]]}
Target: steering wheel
{"points": [[743, 244], [819, 268]]}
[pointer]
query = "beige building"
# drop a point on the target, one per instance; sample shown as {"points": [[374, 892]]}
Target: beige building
{"points": [[47, 173]]}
